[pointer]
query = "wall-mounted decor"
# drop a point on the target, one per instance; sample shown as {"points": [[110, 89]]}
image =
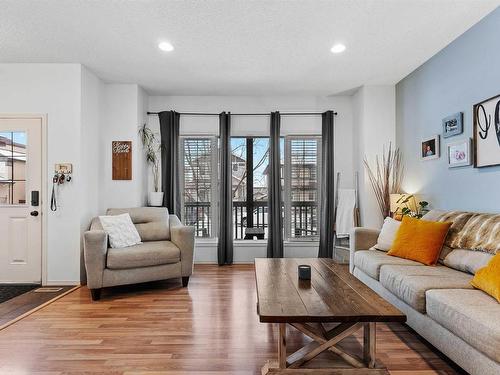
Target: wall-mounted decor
{"points": [[487, 132], [430, 148], [122, 160], [460, 153], [453, 125]]}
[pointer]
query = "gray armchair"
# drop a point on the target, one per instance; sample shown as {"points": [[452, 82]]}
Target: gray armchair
{"points": [[166, 251]]}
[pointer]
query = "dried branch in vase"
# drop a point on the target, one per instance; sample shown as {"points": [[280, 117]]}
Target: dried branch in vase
{"points": [[386, 178]]}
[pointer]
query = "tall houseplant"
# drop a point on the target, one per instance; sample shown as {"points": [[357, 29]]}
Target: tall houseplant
{"points": [[386, 177], [152, 148]]}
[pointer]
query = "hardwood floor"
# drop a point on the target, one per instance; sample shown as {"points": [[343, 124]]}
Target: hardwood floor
{"points": [[18, 306], [211, 327]]}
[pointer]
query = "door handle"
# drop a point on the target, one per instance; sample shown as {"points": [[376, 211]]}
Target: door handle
{"points": [[34, 213]]}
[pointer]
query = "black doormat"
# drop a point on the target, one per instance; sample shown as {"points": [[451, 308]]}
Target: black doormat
{"points": [[8, 291]]}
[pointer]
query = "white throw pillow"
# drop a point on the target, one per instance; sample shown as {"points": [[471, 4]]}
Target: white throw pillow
{"points": [[467, 260], [120, 229], [387, 234]]}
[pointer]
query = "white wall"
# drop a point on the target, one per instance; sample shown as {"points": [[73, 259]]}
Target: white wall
{"points": [[53, 89], [120, 121], [84, 116], [374, 129], [91, 96], [245, 251]]}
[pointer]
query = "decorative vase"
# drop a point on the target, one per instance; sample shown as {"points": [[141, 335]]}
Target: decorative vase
{"points": [[155, 198]]}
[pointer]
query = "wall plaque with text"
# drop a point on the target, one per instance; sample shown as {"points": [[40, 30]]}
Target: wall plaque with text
{"points": [[122, 160]]}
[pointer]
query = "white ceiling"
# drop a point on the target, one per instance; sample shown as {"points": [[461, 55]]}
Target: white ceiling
{"points": [[230, 47]]}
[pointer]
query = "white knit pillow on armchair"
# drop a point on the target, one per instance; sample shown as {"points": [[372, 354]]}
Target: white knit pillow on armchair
{"points": [[120, 229]]}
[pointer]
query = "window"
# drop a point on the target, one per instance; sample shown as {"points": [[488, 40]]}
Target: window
{"points": [[300, 178], [250, 161], [199, 182], [302, 187], [12, 168]]}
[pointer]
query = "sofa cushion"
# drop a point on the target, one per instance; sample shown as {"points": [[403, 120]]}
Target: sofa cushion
{"points": [[150, 253], [370, 261], [467, 260], [470, 314], [152, 223], [409, 283]]}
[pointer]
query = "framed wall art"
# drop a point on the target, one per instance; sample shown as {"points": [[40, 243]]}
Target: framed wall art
{"points": [[430, 148], [459, 153], [453, 125], [486, 118]]}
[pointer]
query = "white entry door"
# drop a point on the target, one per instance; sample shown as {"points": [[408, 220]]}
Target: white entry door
{"points": [[20, 213]]}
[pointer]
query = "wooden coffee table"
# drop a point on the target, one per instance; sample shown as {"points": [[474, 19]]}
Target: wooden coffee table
{"points": [[332, 295]]}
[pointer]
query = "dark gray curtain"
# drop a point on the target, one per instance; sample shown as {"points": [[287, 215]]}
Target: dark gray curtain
{"points": [[169, 132], [327, 210], [274, 216], [225, 244]]}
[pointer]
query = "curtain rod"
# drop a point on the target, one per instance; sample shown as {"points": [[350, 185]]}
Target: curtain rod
{"points": [[248, 114]]}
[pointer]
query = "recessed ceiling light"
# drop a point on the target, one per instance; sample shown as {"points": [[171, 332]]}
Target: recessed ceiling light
{"points": [[165, 46], [338, 48]]}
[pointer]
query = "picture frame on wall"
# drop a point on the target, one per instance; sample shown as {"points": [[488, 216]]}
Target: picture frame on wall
{"points": [[486, 132], [453, 125], [460, 153], [430, 148]]}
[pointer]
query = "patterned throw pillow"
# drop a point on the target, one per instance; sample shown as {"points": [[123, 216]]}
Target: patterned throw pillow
{"points": [[120, 229], [480, 232]]}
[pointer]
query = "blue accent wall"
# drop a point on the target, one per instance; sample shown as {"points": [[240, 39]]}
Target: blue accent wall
{"points": [[464, 73]]}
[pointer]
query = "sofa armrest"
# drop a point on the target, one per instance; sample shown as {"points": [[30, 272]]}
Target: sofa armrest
{"points": [[361, 239], [95, 248], [183, 237]]}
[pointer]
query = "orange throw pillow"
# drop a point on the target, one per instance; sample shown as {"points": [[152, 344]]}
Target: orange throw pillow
{"points": [[488, 278], [419, 240]]}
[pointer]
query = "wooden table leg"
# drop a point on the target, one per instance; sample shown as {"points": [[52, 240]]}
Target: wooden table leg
{"points": [[369, 344], [282, 345]]}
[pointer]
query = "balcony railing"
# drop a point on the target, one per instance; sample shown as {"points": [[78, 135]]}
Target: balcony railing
{"points": [[304, 219], [197, 214]]}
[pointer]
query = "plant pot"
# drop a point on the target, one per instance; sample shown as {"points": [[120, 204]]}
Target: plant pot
{"points": [[155, 198]]}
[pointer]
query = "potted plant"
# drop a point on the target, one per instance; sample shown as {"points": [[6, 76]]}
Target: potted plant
{"points": [[406, 209], [152, 147]]}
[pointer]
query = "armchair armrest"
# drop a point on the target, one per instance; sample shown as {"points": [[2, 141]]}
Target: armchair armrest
{"points": [[183, 237], [95, 248], [361, 239]]}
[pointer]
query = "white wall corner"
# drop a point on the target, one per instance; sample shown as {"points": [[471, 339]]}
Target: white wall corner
{"points": [[374, 115], [121, 115]]}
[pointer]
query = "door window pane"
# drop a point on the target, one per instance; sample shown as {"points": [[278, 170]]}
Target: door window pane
{"points": [[13, 167], [19, 192], [250, 171]]}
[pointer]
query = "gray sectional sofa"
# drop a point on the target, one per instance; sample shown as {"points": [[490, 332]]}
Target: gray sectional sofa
{"points": [[441, 305]]}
